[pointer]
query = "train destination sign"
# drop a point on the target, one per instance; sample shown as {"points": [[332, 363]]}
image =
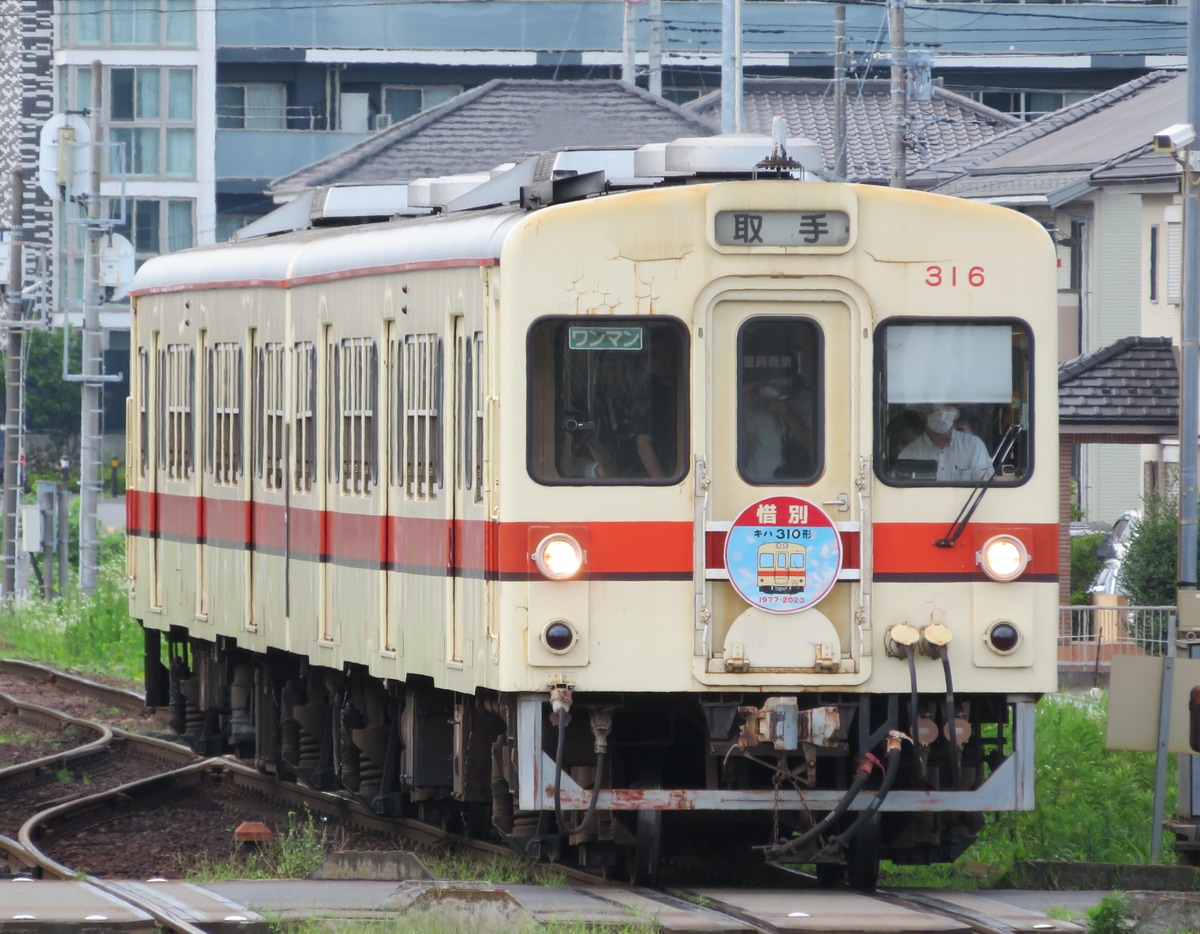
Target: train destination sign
{"points": [[783, 554], [783, 228], [604, 338]]}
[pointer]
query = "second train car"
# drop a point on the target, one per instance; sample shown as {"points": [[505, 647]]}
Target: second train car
{"points": [[547, 620]]}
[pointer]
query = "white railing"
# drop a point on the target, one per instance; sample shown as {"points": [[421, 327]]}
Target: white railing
{"points": [[1089, 636]]}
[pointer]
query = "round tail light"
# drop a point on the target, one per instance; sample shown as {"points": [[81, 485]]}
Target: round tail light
{"points": [[1003, 637], [558, 636]]}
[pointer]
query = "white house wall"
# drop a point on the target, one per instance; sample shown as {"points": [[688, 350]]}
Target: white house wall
{"points": [[1112, 473]]}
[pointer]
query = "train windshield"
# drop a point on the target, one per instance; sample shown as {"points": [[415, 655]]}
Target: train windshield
{"points": [[608, 401], [948, 392]]}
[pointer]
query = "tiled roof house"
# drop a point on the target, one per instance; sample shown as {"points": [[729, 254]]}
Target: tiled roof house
{"points": [[944, 126]]}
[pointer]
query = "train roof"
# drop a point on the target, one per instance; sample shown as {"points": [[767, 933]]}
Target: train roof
{"points": [[295, 258], [475, 214]]}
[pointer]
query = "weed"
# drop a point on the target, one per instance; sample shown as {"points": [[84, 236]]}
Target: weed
{"points": [[1109, 917], [494, 868], [298, 848]]}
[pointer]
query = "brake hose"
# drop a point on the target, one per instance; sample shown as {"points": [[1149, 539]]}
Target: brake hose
{"points": [[951, 716], [558, 758], [868, 764], [890, 768]]}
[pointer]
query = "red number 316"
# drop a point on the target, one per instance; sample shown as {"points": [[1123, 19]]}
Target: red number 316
{"points": [[936, 276]]}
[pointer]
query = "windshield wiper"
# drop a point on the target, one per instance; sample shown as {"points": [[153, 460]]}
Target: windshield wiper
{"points": [[959, 525]]}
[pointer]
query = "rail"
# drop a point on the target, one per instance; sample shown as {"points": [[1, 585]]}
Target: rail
{"points": [[1090, 636]]}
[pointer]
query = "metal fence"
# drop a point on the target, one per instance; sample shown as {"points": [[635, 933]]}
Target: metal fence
{"points": [[1089, 636]]}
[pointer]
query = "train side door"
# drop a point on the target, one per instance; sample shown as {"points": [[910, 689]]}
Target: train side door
{"points": [[783, 510], [466, 531]]}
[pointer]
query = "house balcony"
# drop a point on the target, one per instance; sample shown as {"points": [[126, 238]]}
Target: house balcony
{"points": [[588, 32], [255, 155]]}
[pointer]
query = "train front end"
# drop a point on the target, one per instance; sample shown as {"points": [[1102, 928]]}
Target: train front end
{"points": [[778, 560]]}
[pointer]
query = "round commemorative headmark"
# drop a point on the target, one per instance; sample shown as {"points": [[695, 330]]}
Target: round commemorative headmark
{"points": [[783, 554]]}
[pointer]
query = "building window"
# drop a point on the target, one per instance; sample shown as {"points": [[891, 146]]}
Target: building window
{"points": [[251, 107], [224, 448], [1027, 105], [401, 102], [1154, 263], [129, 22], [159, 106], [155, 225], [1174, 254]]}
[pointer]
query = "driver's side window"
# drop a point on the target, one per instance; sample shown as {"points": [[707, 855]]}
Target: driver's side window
{"points": [[952, 397]]}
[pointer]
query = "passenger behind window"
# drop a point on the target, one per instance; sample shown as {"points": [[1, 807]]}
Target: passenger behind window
{"points": [[960, 457], [778, 402], [623, 444], [903, 429]]}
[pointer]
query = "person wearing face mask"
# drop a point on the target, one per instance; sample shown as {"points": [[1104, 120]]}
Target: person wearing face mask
{"points": [[960, 457]]}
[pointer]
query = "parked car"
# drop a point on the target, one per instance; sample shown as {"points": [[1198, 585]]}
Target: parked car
{"points": [[1108, 579]]}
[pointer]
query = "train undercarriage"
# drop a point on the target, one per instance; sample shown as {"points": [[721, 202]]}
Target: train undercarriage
{"points": [[834, 780]]}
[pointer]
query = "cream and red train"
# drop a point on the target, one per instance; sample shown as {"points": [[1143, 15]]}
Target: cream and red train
{"points": [[556, 618]]}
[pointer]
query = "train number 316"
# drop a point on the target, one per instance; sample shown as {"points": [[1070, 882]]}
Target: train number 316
{"points": [[936, 276]]}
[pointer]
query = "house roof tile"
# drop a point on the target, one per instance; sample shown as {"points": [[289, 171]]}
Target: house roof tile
{"points": [[941, 127], [1135, 380], [501, 121]]}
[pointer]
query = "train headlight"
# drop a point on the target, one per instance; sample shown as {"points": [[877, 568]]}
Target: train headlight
{"points": [[1003, 558], [558, 556]]}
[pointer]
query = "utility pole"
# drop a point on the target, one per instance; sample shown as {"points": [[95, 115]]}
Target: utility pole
{"points": [[13, 388], [839, 90], [898, 177], [89, 429], [656, 47], [628, 44], [1187, 597], [731, 66]]}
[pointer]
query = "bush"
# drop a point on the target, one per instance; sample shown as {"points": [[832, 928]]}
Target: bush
{"points": [[1085, 565]]}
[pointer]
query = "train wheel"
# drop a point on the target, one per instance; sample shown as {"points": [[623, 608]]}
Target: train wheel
{"points": [[644, 861], [647, 854], [862, 862], [830, 874]]}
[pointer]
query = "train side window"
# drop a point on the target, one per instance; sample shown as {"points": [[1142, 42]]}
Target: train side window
{"points": [[304, 436], [177, 379], [355, 404], [419, 390], [224, 447], [948, 391], [780, 401], [144, 410], [470, 352], [268, 432], [608, 402]]}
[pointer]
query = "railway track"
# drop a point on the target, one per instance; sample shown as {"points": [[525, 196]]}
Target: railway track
{"points": [[67, 809]]}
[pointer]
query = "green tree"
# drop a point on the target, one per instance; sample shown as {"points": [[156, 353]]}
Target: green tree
{"points": [[1149, 569], [1085, 565], [51, 404]]}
